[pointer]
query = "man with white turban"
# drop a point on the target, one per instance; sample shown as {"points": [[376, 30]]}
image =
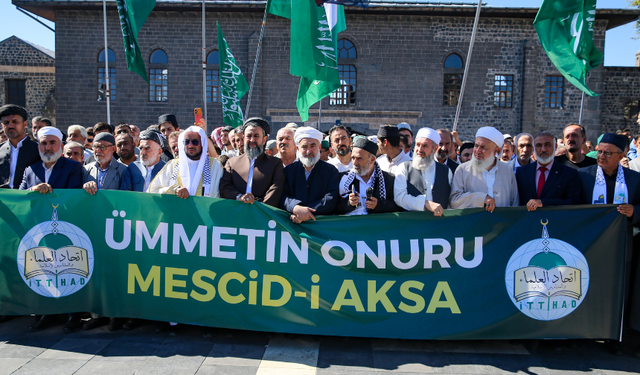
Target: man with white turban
{"points": [[484, 181], [423, 184], [193, 172], [311, 185], [54, 171]]}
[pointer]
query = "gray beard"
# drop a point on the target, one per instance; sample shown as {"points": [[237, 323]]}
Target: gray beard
{"points": [[306, 161], [252, 152], [422, 163], [365, 170], [149, 162], [545, 161], [52, 158], [481, 165]]}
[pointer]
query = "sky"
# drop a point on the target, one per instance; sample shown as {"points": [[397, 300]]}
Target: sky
{"points": [[620, 47]]}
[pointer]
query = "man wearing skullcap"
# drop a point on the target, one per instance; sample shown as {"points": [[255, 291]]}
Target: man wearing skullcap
{"points": [[466, 150], [447, 144], [311, 185], [574, 137], [523, 146], [405, 129], [341, 143], [325, 150], [20, 151], [546, 182], [389, 145], [423, 184], [168, 124], [141, 172], [193, 173], [286, 144], [366, 188], [271, 148], [254, 175], [485, 181], [106, 172]]}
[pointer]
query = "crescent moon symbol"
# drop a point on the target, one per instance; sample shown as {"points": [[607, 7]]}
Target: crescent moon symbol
{"points": [[545, 223], [56, 206]]}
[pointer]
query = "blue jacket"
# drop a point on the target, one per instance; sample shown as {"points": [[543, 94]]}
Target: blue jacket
{"points": [[562, 187], [66, 174], [133, 178]]}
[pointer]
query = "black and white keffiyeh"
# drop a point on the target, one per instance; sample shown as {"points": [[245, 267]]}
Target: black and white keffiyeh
{"points": [[378, 182]]}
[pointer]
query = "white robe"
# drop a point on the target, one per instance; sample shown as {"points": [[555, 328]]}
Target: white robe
{"points": [[469, 189], [160, 184]]}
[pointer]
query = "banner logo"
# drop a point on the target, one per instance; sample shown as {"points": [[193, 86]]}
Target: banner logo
{"points": [[546, 278], [55, 258]]}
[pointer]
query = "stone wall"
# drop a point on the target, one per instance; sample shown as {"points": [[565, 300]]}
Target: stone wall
{"points": [[621, 86]]}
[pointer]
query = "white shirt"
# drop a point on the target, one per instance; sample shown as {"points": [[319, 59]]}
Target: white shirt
{"points": [[14, 161], [362, 192], [389, 165], [341, 167], [250, 177], [546, 173], [408, 201], [490, 178]]}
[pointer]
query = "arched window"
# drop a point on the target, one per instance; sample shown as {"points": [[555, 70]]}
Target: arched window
{"points": [[158, 76], [213, 76], [453, 72], [346, 94], [102, 80]]}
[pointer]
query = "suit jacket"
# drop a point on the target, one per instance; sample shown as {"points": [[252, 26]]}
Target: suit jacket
{"points": [[135, 175], [319, 192], [66, 174], [384, 205], [451, 164], [268, 178], [631, 178], [562, 187], [112, 180], [27, 155]]}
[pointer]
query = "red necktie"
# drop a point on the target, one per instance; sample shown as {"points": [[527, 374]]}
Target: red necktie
{"points": [[541, 180]]}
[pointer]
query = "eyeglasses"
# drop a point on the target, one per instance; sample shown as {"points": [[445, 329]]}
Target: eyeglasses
{"points": [[89, 140], [607, 154], [100, 148], [194, 142]]}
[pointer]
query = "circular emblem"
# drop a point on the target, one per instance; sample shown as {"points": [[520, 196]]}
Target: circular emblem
{"points": [[546, 278], [55, 258]]}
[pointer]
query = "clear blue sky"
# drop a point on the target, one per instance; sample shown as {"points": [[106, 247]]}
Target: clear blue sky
{"points": [[620, 48]]}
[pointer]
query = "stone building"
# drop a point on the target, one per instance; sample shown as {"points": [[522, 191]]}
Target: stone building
{"points": [[27, 77], [401, 60]]}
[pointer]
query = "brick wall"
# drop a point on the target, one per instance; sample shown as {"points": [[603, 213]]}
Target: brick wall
{"points": [[621, 85]]}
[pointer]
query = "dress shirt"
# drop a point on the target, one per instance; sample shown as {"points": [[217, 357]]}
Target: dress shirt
{"points": [[546, 173], [14, 161], [490, 179]]}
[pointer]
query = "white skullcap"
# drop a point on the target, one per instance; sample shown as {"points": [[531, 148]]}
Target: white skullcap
{"points": [[492, 134], [429, 134], [50, 130], [307, 132]]}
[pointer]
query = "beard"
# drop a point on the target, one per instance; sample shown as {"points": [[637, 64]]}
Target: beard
{"points": [[342, 150], [363, 170], [151, 160], [422, 163], [481, 165], [547, 160], [253, 150], [308, 161], [51, 158]]}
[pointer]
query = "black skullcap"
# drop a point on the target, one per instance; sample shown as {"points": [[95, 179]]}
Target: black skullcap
{"points": [[168, 117], [153, 135], [257, 121], [389, 132], [466, 145], [617, 140], [365, 144], [227, 128], [105, 137]]}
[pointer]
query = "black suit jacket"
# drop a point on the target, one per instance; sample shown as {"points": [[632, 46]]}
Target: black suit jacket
{"points": [[319, 192], [27, 155], [562, 187], [66, 174], [452, 164], [384, 205]]}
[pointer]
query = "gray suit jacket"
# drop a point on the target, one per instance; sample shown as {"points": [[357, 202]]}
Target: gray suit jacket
{"points": [[112, 180]]}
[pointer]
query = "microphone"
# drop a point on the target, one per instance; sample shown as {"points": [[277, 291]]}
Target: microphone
{"points": [[369, 193]]}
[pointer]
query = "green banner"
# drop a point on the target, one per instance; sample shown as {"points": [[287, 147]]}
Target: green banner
{"points": [[233, 85], [133, 14], [471, 274]]}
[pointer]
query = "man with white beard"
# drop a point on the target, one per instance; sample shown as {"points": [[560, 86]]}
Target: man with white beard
{"points": [[311, 185], [547, 182], [141, 172], [422, 184], [54, 171], [485, 181]]}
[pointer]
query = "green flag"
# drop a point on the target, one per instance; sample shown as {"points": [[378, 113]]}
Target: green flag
{"points": [[133, 14], [280, 8], [565, 30], [233, 86]]}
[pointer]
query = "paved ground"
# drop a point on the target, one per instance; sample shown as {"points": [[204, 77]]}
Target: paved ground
{"points": [[144, 351]]}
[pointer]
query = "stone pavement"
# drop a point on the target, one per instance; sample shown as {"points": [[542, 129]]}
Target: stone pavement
{"points": [[222, 351]]}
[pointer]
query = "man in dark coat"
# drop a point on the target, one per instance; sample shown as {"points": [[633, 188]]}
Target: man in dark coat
{"points": [[547, 182], [141, 172], [19, 151], [311, 185]]}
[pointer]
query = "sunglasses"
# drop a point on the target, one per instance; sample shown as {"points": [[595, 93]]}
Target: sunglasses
{"points": [[194, 142]]}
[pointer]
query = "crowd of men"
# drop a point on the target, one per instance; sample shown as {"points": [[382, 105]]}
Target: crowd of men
{"points": [[308, 173]]}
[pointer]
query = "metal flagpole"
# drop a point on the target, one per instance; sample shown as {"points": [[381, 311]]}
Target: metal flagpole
{"points": [[204, 66], [466, 65], [581, 108], [320, 115], [255, 63], [106, 62]]}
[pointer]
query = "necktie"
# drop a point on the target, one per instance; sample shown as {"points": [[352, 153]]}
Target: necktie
{"points": [[541, 180]]}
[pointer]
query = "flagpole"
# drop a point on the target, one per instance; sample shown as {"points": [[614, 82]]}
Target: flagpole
{"points": [[204, 66], [255, 63], [581, 108], [466, 65], [106, 62], [320, 114]]}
